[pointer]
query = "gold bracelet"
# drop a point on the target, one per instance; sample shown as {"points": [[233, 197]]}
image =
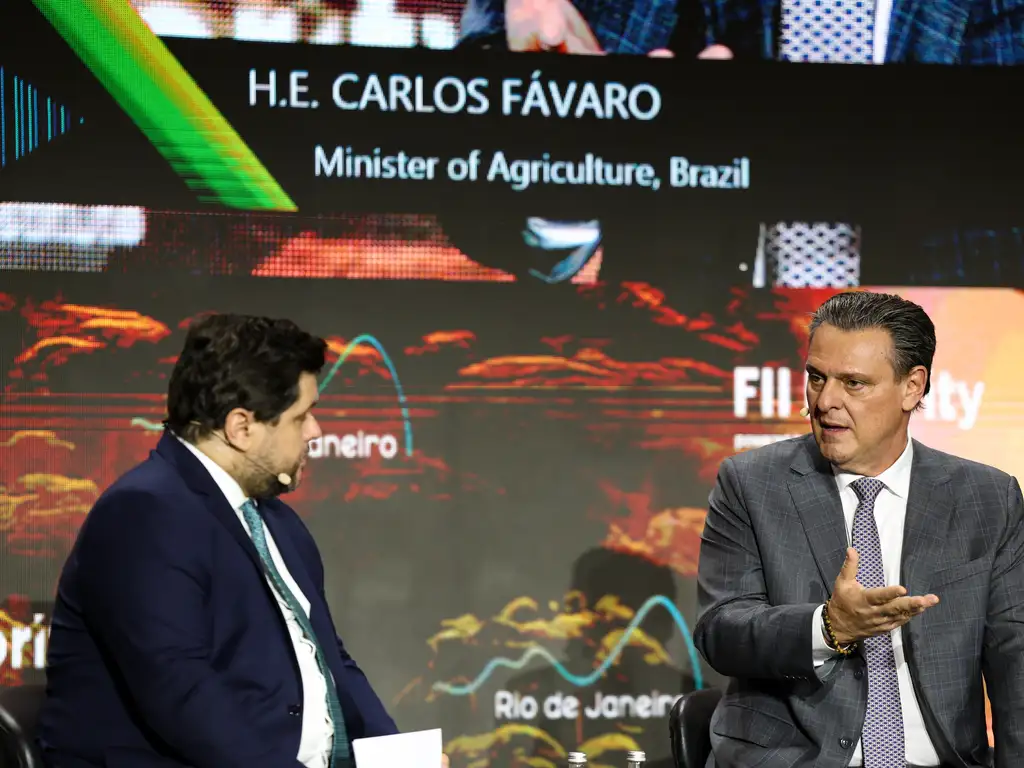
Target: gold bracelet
{"points": [[830, 635]]}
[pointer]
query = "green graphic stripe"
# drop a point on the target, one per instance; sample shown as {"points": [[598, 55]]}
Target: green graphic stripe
{"points": [[165, 102]]}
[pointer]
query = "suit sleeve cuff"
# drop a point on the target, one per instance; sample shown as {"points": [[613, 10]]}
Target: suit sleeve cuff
{"points": [[820, 652]]}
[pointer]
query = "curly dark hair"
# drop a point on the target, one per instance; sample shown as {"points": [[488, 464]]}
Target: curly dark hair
{"points": [[238, 361]]}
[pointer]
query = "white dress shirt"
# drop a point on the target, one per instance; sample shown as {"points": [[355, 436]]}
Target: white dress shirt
{"points": [[883, 12], [890, 516], [317, 730]]}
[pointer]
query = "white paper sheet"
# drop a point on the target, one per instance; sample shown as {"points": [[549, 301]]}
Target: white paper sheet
{"points": [[416, 749]]}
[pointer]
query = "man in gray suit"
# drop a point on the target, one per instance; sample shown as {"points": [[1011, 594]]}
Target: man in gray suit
{"points": [[855, 584]]}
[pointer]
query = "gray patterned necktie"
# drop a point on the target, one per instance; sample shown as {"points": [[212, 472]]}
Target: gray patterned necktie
{"points": [[882, 737], [341, 756], [828, 31]]}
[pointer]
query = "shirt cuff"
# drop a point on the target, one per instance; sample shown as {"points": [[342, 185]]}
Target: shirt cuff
{"points": [[820, 652]]}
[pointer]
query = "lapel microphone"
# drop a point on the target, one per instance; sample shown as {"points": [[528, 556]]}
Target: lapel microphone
{"points": [[804, 412]]}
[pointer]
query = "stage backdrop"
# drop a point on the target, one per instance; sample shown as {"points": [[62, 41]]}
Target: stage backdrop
{"points": [[557, 291]]}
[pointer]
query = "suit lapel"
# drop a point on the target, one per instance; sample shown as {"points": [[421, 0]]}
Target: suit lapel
{"points": [[929, 511], [813, 488], [202, 484]]}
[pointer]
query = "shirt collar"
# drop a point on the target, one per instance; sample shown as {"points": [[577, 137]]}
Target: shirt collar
{"points": [[896, 478], [228, 485]]}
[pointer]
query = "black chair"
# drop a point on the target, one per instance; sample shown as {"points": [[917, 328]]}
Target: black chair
{"points": [[689, 725], [19, 713]]}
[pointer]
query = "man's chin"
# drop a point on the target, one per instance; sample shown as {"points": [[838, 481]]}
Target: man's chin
{"points": [[272, 487], [296, 476], [832, 449]]}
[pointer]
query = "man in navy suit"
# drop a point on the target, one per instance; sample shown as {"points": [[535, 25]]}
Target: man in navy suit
{"points": [[191, 626]]}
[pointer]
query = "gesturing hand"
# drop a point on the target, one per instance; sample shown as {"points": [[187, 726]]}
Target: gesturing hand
{"points": [[548, 25], [856, 613]]}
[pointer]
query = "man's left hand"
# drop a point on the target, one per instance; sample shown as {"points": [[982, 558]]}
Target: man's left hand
{"points": [[444, 760]]}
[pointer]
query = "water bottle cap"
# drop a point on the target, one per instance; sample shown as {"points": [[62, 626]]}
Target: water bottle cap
{"points": [[577, 758], [636, 755]]}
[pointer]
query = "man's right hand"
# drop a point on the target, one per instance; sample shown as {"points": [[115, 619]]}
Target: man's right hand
{"points": [[557, 26], [857, 613], [548, 25]]}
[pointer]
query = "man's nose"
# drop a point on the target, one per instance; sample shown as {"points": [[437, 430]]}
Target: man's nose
{"points": [[313, 430], [831, 396]]}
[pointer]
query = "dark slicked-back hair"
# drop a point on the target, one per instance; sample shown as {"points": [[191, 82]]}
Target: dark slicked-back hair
{"points": [[238, 361], [908, 325]]}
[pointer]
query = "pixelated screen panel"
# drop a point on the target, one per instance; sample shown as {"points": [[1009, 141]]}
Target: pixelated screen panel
{"points": [[129, 239], [62, 237], [687, 169], [387, 23], [841, 31]]}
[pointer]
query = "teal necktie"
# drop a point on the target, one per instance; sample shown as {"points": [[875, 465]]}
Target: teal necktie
{"points": [[340, 755]]}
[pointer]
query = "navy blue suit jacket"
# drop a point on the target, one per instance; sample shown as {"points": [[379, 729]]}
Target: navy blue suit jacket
{"points": [[167, 646]]}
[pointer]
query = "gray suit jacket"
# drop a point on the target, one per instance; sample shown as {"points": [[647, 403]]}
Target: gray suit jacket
{"points": [[773, 544]]}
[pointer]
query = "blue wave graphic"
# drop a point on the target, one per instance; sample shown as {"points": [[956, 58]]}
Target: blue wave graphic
{"points": [[146, 424], [581, 681], [365, 338]]}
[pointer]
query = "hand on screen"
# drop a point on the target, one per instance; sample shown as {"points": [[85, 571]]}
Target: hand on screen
{"points": [[717, 52], [556, 25], [857, 613], [548, 25]]}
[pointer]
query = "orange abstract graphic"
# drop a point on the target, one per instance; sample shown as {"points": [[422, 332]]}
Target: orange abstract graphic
{"points": [[423, 253], [709, 449], [588, 367], [40, 514], [735, 336], [40, 509], [438, 340], [672, 538], [49, 439], [64, 330], [665, 537], [310, 256]]}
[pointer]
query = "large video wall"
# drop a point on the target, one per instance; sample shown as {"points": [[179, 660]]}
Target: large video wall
{"points": [[557, 290]]}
